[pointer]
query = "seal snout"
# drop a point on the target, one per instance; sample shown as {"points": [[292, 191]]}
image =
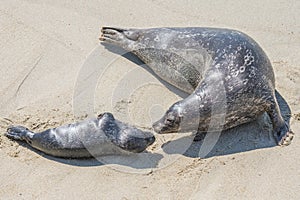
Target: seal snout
{"points": [[150, 140], [157, 126], [105, 115], [161, 128]]}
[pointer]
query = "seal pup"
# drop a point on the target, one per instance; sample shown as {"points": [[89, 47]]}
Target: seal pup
{"points": [[207, 63], [99, 136]]}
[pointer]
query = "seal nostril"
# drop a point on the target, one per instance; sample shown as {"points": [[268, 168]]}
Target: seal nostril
{"points": [[157, 127]]}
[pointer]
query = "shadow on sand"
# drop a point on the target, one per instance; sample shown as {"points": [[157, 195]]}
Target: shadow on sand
{"points": [[133, 58], [144, 160]]}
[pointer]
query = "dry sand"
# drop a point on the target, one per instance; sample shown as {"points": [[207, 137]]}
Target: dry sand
{"points": [[52, 68]]}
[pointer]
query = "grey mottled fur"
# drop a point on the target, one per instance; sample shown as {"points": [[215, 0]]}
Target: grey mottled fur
{"points": [[226, 73]]}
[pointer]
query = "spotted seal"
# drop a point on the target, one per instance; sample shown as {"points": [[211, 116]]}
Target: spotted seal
{"points": [[208, 64], [99, 136]]}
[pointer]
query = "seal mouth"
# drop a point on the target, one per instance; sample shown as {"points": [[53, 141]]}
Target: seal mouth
{"points": [[157, 127], [136, 144], [161, 128]]}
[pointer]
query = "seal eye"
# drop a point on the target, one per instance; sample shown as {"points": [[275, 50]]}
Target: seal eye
{"points": [[100, 116], [170, 121]]}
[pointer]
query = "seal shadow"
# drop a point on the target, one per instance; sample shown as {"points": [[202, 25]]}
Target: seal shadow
{"points": [[144, 160], [133, 58], [247, 137]]}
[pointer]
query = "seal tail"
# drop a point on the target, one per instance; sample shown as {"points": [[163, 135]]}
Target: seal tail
{"points": [[19, 133]]}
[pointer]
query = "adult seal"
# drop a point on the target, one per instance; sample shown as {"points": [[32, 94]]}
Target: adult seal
{"points": [[219, 68], [99, 136]]}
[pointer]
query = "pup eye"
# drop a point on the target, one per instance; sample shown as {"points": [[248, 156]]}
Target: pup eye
{"points": [[100, 115], [170, 120]]}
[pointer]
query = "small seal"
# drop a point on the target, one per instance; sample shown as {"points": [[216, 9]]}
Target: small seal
{"points": [[217, 67], [99, 136]]}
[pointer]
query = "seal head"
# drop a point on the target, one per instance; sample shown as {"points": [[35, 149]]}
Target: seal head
{"points": [[170, 122], [124, 136]]}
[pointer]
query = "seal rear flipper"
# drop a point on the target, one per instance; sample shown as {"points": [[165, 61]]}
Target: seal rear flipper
{"points": [[132, 34], [19, 133], [124, 38], [112, 28]]}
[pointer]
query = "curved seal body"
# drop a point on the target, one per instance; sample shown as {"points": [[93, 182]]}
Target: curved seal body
{"points": [[175, 54], [226, 72], [94, 137]]}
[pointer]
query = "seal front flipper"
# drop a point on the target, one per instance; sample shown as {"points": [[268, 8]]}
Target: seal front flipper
{"points": [[199, 136], [284, 135], [281, 129]]}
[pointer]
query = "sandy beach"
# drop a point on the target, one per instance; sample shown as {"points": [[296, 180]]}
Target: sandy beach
{"points": [[55, 71]]}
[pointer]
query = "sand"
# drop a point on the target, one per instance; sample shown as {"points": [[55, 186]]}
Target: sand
{"points": [[54, 71]]}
